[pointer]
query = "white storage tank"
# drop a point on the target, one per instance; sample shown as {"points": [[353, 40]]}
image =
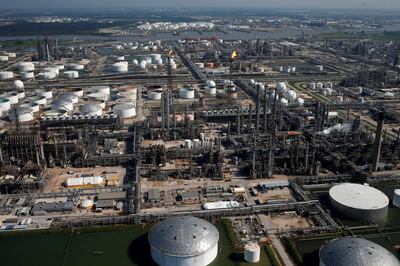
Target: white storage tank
{"points": [[396, 198], [120, 67], [5, 104], [41, 100], [3, 58], [252, 252], [76, 66], [319, 68], [23, 115], [188, 144], [62, 104], [154, 95], [90, 109], [54, 113], [186, 93], [359, 202], [27, 75], [101, 89], [284, 102], [211, 90], [11, 96], [25, 67], [98, 96], [33, 106], [184, 241], [46, 75], [320, 85], [86, 204], [281, 87], [77, 91], [10, 54], [312, 85], [71, 74], [48, 94], [124, 110], [6, 75], [299, 101]]}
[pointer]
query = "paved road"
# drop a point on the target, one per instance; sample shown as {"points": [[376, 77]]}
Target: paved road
{"points": [[275, 241]]}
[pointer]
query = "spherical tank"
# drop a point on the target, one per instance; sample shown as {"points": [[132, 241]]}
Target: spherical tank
{"points": [[18, 85]]}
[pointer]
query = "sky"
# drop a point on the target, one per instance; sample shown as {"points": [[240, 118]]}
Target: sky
{"points": [[291, 4]]}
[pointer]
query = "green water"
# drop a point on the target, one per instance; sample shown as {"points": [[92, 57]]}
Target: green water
{"points": [[123, 245]]}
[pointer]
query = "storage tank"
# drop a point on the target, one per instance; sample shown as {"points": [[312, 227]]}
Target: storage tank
{"points": [[3, 58], [51, 69], [25, 67], [142, 64], [252, 252], [210, 90], [300, 101], [90, 109], [46, 75], [98, 96], [69, 96], [18, 85], [184, 241], [339, 99], [188, 144], [312, 85], [396, 198], [154, 95], [76, 66], [186, 93], [129, 95], [86, 204], [359, 202], [101, 89], [11, 96], [48, 94], [290, 95], [10, 54], [347, 251], [5, 104], [284, 102], [6, 75], [62, 104], [33, 106], [120, 67], [135, 62], [320, 85], [319, 68], [71, 74], [77, 92], [23, 115], [281, 87], [124, 110], [27, 75], [20, 94], [41, 100], [54, 113], [120, 58]]}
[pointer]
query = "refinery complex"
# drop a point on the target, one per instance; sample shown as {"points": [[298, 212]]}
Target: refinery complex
{"points": [[286, 148]]}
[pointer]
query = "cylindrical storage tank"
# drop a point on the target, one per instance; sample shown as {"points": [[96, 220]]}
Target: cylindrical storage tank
{"points": [[196, 143], [69, 96], [320, 85], [312, 85], [3, 58], [98, 96], [319, 68], [76, 66], [120, 58], [20, 94], [186, 93], [6, 75], [5, 104], [25, 67], [27, 75], [359, 202], [86, 204], [11, 96], [71, 74], [41, 100], [100, 89], [127, 95], [124, 110], [23, 115], [211, 90], [46, 75], [396, 198], [90, 109], [135, 62], [51, 69], [59, 67], [33, 106], [158, 61], [300, 101], [62, 104], [120, 67], [359, 90], [142, 64], [10, 54], [284, 102], [252, 252], [77, 92], [48, 94], [54, 113], [293, 69], [154, 95], [339, 99], [200, 65], [360, 100], [184, 241], [188, 144], [348, 251], [211, 83], [155, 56]]}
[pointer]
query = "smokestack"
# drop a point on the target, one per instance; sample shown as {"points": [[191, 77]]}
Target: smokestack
{"points": [[258, 107], [378, 142]]}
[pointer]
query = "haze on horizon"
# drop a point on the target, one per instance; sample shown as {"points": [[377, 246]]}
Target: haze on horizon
{"points": [[248, 4]]}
